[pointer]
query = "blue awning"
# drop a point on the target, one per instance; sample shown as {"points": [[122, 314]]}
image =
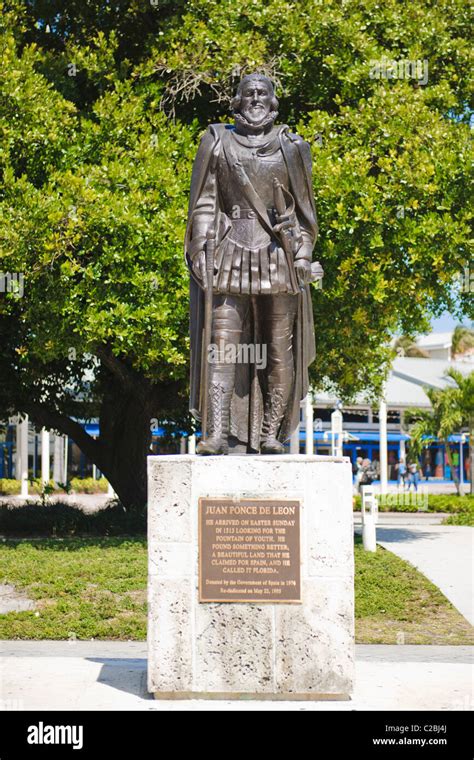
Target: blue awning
{"points": [[360, 435], [93, 429], [456, 438], [365, 436]]}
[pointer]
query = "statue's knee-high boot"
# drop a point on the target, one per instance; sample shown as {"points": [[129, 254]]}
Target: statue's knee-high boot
{"points": [[227, 327], [220, 395], [275, 407], [278, 324]]}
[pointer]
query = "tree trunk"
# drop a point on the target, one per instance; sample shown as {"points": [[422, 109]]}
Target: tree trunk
{"points": [[453, 469], [125, 438], [129, 403]]}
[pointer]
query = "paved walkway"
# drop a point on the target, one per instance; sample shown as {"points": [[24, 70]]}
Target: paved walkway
{"points": [[111, 675], [402, 519]]}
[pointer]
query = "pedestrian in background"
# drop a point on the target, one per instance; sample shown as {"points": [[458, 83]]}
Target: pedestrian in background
{"points": [[413, 476], [401, 469]]}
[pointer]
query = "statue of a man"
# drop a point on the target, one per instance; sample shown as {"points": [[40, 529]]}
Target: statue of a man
{"points": [[252, 199]]}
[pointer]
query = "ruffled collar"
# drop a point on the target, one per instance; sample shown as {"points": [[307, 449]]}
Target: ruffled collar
{"points": [[269, 142], [244, 127]]}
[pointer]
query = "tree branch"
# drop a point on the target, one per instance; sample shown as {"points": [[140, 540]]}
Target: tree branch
{"points": [[117, 367], [54, 420]]}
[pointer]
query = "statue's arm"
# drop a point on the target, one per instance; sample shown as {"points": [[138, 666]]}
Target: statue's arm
{"points": [[306, 270], [202, 209], [308, 234], [204, 213]]}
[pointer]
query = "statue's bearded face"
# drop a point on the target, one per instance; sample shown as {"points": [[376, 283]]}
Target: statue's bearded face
{"points": [[256, 100]]}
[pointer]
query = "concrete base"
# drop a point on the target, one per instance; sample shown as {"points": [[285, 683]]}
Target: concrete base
{"points": [[250, 650], [244, 695]]}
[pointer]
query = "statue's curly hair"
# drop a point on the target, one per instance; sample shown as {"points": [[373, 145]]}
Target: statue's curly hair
{"points": [[235, 102]]}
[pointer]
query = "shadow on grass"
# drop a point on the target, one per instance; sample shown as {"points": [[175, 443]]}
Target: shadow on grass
{"points": [[63, 520], [73, 543]]}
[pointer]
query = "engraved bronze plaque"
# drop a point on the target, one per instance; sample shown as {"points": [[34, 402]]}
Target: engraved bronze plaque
{"points": [[249, 550]]}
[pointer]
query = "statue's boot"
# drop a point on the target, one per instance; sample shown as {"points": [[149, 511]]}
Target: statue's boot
{"points": [[220, 394], [274, 413]]}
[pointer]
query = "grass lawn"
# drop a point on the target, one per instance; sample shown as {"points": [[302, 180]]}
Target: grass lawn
{"points": [[96, 588], [395, 603], [84, 587]]}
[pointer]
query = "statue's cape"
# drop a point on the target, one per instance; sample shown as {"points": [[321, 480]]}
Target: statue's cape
{"points": [[246, 398]]}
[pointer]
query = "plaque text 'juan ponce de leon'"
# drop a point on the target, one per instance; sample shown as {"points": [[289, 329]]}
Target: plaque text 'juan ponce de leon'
{"points": [[249, 550]]}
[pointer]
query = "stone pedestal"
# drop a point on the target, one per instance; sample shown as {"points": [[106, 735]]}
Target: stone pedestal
{"points": [[251, 649]]}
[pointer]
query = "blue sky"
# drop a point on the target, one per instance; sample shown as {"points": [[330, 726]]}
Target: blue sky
{"points": [[446, 322]]}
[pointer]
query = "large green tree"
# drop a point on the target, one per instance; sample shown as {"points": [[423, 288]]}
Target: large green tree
{"points": [[101, 110]]}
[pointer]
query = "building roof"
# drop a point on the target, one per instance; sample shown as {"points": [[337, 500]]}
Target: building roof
{"points": [[435, 340], [406, 382]]}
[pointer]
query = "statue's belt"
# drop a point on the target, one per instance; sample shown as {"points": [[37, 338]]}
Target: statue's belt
{"points": [[239, 212]]}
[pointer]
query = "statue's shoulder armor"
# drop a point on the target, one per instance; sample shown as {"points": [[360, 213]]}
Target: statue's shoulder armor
{"points": [[302, 145], [215, 131], [294, 138], [220, 128], [211, 142]]}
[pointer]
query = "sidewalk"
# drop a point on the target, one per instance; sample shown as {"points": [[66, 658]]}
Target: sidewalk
{"points": [[111, 675], [402, 519]]}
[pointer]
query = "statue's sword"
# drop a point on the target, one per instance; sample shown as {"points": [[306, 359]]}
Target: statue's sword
{"points": [[207, 333], [290, 242], [286, 236]]}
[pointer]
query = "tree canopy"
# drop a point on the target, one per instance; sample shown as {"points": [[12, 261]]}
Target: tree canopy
{"points": [[101, 111]]}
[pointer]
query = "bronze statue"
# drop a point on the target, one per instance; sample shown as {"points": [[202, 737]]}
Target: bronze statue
{"points": [[249, 242]]}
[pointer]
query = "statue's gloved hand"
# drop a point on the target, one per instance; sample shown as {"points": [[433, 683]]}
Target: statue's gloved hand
{"points": [[199, 266], [303, 271], [317, 272]]}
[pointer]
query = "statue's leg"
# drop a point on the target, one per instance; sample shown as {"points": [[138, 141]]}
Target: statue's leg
{"points": [[277, 318], [227, 319]]}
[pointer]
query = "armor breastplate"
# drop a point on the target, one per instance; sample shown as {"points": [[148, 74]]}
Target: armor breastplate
{"points": [[261, 163]]}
